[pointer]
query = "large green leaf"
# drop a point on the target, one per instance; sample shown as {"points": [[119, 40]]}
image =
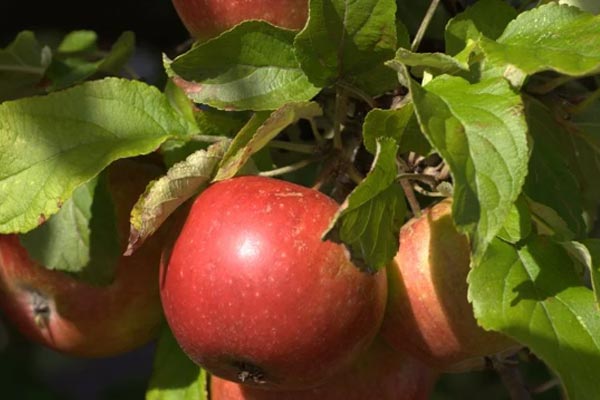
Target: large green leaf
{"points": [[480, 131], [347, 42], [251, 67], [550, 37], [533, 294], [52, 144]]}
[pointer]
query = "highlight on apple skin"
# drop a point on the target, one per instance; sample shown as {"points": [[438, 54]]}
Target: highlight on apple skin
{"points": [[428, 314], [254, 295], [75, 317], [205, 19]]}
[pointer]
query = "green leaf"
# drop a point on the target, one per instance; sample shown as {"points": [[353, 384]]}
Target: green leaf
{"points": [[370, 218], [75, 67], [550, 37], [486, 17], [52, 144], [480, 132], [593, 248], [518, 224], [532, 294], [434, 63], [120, 53], [78, 42], [82, 237], [163, 196], [348, 41], [23, 64], [259, 131], [63, 73], [400, 124], [550, 181], [251, 67], [174, 375]]}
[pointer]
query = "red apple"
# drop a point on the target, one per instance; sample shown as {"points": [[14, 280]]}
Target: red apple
{"points": [[77, 318], [428, 314], [380, 374], [208, 18], [253, 294]]}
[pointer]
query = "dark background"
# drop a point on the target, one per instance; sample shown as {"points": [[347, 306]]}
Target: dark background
{"points": [[31, 372]]}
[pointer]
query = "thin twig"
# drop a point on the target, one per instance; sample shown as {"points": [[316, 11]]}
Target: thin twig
{"points": [[582, 106], [340, 111], [289, 168], [424, 25], [511, 378]]}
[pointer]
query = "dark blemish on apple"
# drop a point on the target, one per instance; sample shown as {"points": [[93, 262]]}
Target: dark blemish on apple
{"points": [[249, 373], [41, 219]]}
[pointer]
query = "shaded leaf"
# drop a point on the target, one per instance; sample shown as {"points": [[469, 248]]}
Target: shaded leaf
{"points": [[370, 218]]}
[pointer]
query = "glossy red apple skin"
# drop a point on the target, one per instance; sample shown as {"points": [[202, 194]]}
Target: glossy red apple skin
{"points": [[381, 374], [205, 19], [252, 294], [86, 320], [428, 314]]}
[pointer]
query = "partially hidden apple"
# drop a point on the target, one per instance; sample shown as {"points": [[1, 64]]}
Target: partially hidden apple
{"points": [[428, 313], [381, 374], [254, 295], [77, 318], [208, 18]]}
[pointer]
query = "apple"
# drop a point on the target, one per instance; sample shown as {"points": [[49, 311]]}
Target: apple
{"points": [[254, 295], [77, 318], [380, 374], [205, 19], [428, 314]]}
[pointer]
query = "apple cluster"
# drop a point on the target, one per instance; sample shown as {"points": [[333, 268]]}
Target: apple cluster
{"points": [[251, 291], [256, 297]]}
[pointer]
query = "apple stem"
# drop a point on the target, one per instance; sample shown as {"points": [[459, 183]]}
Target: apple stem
{"points": [[290, 168], [407, 187], [315, 131], [410, 196], [354, 174], [295, 147], [356, 92], [424, 25]]}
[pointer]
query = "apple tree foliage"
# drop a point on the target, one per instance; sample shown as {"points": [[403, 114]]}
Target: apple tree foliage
{"points": [[511, 107]]}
